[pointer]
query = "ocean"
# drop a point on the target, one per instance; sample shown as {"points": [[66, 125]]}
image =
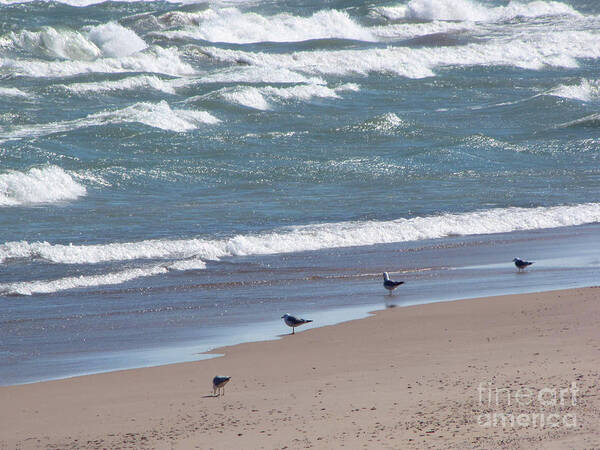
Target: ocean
{"points": [[175, 176]]}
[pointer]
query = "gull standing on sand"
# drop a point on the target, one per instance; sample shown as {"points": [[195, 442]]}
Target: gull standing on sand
{"points": [[521, 264], [389, 284], [292, 321], [219, 383]]}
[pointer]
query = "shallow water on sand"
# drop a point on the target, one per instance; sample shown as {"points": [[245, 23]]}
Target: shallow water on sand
{"points": [[242, 300]]}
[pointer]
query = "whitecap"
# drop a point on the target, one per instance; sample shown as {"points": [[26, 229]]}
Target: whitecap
{"points": [[13, 92], [126, 84], [586, 91], [114, 40], [153, 60], [49, 184], [537, 50], [156, 115], [313, 237], [261, 98], [62, 284], [233, 26], [467, 10]]}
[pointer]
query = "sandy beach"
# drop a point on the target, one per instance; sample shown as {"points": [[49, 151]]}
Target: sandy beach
{"points": [[518, 371]]}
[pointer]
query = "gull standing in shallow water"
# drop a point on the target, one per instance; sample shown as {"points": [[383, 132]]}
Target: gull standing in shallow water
{"points": [[389, 284], [292, 321], [521, 264], [219, 383]]}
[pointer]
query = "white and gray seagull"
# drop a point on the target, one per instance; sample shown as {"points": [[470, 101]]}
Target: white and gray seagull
{"points": [[219, 383], [389, 284], [293, 321], [521, 264]]}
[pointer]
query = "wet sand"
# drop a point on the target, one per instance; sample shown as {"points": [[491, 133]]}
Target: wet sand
{"points": [[413, 377]]}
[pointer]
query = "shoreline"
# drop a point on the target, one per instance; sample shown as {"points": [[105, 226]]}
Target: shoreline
{"points": [[83, 332], [401, 377]]}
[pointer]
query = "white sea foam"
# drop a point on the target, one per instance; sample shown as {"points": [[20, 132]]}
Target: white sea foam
{"points": [[262, 98], [308, 91], [232, 25], [467, 10], [313, 237], [109, 40], [250, 97], [188, 264], [61, 284], [114, 40], [415, 30], [56, 43], [153, 60], [257, 74], [534, 51], [126, 84], [395, 12], [156, 115], [38, 185], [586, 91], [384, 123], [12, 92]]}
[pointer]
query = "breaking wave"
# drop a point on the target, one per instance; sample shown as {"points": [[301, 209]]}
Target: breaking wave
{"points": [[62, 284], [191, 254], [555, 49], [233, 26], [586, 91], [109, 40], [466, 10], [262, 98], [12, 92], [313, 237], [153, 60], [156, 115], [38, 185], [126, 84]]}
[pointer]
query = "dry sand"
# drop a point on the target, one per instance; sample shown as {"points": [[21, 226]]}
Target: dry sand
{"points": [[415, 377]]}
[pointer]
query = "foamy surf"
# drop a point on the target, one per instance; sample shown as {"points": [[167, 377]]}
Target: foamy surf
{"points": [[466, 10], [558, 49], [156, 115], [66, 283], [152, 60], [263, 98], [233, 26], [126, 84], [312, 237], [586, 91], [49, 184], [13, 92], [109, 40]]}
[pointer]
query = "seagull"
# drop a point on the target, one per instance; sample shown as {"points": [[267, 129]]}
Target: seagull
{"points": [[292, 321], [521, 264], [219, 383], [389, 284]]}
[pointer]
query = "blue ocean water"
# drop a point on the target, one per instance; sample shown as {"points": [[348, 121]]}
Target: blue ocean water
{"points": [[172, 172]]}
